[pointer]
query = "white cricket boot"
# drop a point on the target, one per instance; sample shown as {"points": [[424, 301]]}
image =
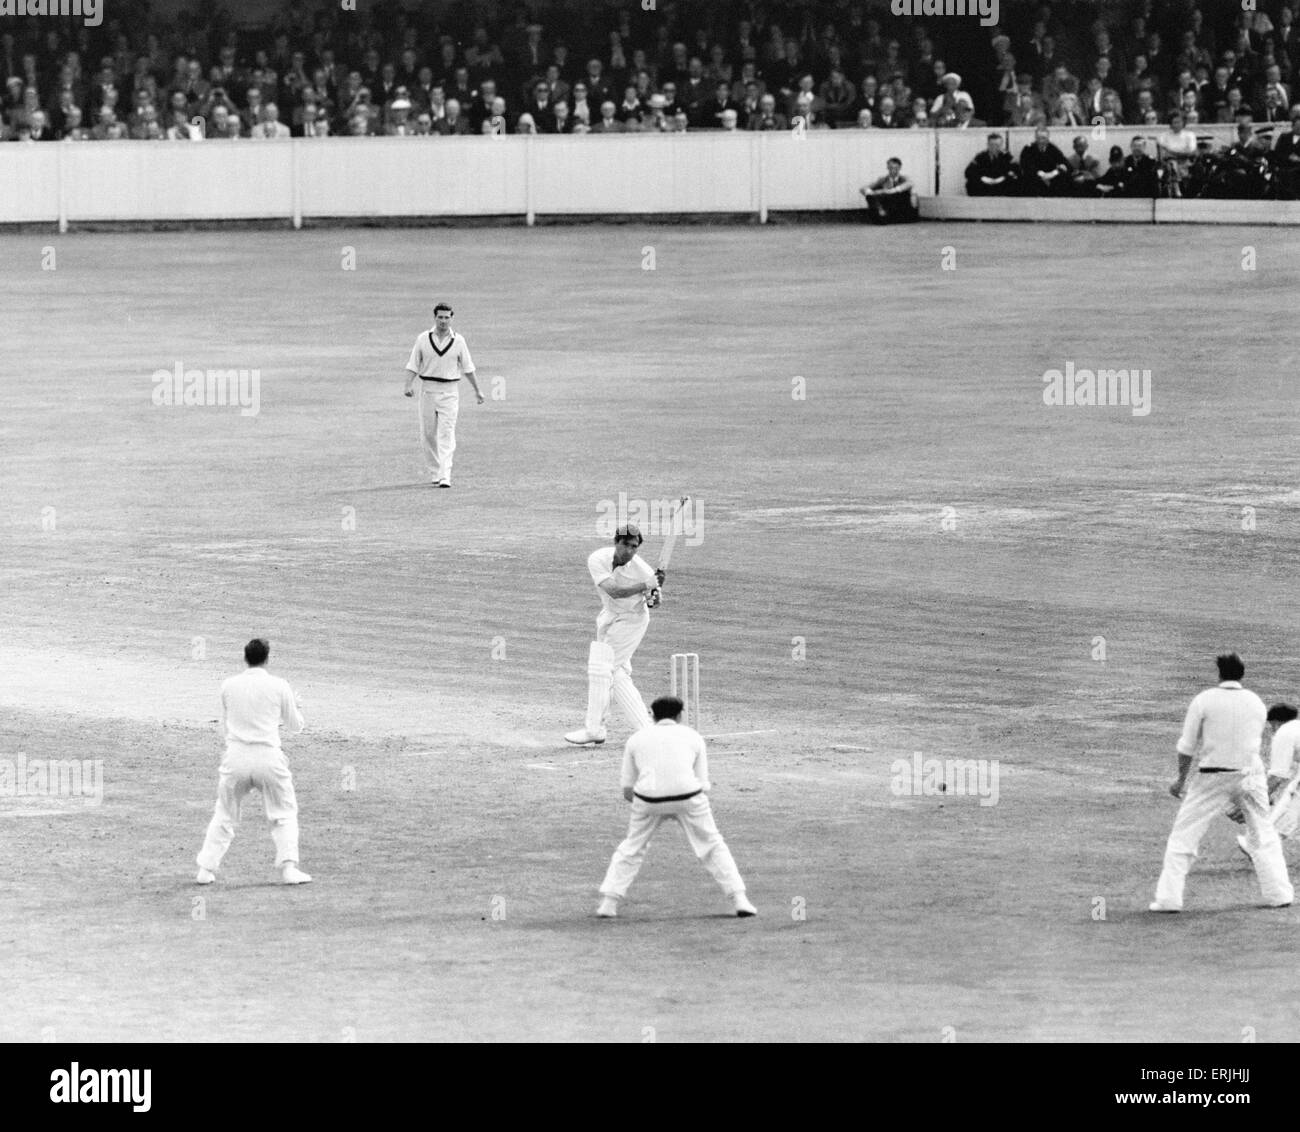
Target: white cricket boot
{"points": [[291, 874]]}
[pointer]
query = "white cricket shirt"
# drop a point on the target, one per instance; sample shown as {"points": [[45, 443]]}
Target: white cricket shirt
{"points": [[1284, 749], [442, 361], [1226, 724], [255, 704], [666, 761], [634, 571]]}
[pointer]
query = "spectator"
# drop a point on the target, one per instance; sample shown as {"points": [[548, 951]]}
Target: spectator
{"points": [[729, 120], [696, 88], [805, 112], [1027, 107], [892, 198], [708, 114], [1141, 173], [655, 118], [1176, 148], [452, 121], [319, 127], [630, 107], [887, 116], [1111, 183], [1043, 168], [540, 108], [748, 102], [398, 124], [838, 100], [992, 173], [1085, 170], [869, 95], [564, 123], [73, 130], [767, 117], [1286, 159], [1069, 111], [270, 126], [182, 129], [1245, 172], [943, 110], [608, 122], [581, 108], [481, 110], [38, 127], [966, 119], [920, 115]]}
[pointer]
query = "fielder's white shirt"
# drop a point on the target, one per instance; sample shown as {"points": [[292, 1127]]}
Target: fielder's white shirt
{"points": [[445, 360], [1284, 749], [666, 761], [1226, 724], [255, 704], [634, 571]]}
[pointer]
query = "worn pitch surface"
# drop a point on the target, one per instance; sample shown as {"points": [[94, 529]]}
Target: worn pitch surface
{"points": [[917, 556]]}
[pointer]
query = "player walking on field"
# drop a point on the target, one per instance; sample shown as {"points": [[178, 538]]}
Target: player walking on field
{"points": [[666, 778], [440, 358], [254, 705], [624, 581], [1225, 724]]}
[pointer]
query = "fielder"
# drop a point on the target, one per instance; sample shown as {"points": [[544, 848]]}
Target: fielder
{"points": [[666, 778], [254, 705], [440, 358], [1225, 724], [627, 588], [1283, 775]]}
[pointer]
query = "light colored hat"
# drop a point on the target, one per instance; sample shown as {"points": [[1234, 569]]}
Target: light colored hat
{"points": [[952, 75], [400, 104], [657, 102]]}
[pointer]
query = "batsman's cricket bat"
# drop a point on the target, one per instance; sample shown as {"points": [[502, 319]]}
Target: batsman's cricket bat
{"points": [[674, 529]]}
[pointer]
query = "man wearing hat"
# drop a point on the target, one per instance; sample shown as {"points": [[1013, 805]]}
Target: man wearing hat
{"points": [[943, 111], [623, 581], [1286, 158], [399, 112], [656, 117]]}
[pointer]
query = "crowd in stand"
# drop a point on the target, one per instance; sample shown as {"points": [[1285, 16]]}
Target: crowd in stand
{"points": [[614, 67]]}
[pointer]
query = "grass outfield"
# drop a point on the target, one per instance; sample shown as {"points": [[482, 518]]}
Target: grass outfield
{"points": [[438, 639]]}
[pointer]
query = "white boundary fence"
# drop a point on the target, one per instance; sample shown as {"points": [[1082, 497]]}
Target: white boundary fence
{"points": [[352, 178]]}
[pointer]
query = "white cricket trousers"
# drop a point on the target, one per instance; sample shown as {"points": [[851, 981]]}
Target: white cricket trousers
{"points": [[696, 817], [1208, 795], [439, 406], [622, 632], [244, 767]]}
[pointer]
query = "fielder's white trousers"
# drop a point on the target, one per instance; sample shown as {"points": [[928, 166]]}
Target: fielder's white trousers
{"points": [[244, 767], [695, 816], [1208, 795], [439, 406]]}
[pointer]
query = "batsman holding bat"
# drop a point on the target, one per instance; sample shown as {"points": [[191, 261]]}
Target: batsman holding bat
{"points": [[628, 590]]}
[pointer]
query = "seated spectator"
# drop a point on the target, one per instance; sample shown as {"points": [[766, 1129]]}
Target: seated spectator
{"points": [[182, 129], [38, 127], [580, 108], [681, 122], [1143, 105], [270, 126], [1069, 111], [943, 110], [892, 198], [73, 130], [708, 112], [655, 119], [399, 113], [321, 128], [1176, 148], [805, 111], [1244, 172], [608, 122], [1286, 159], [869, 95], [838, 100], [1026, 107], [1043, 168], [1085, 170], [564, 123], [729, 121], [452, 121], [496, 121], [146, 126], [887, 116], [966, 119], [767, 117], [630, 107], [1111, 183], [1141, 172], [864, 121], [992, 173], [525, 124], [234, 126], [920, 115]]}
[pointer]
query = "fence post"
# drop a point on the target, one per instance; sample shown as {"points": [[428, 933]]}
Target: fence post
{"points": [[63, 196], [295, 181], [762, 176], [530, 215]]}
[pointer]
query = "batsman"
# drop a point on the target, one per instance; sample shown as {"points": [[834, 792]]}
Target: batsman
{"points": [[628, 590]]}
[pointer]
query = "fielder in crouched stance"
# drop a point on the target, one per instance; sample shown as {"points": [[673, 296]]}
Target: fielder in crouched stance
{"points": [[1283, 776], [624, 581], [1224, 725], [254, 705], [666, 778]]}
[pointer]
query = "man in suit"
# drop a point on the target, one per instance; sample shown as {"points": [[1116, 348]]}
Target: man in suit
{"points": [[707, 115], [541, 108], [1286, 159], [767, 117], [1141, 173], [453, 121], [887, 115], [1043, 168], [992, 173], [1085, 170]]}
